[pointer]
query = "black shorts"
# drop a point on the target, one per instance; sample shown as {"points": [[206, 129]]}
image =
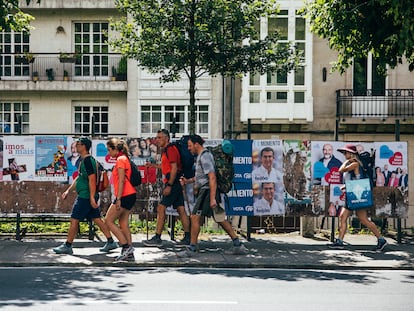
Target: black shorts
{"points": [[176, 197], [128, 201]]}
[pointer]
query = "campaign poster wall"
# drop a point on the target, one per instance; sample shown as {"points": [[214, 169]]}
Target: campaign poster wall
{"points": [[50, 159], [267, 177], [297, 171], [240, 198], [18, 158]]}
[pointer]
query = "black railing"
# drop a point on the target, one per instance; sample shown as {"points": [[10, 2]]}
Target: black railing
{"points": [[50, 67], [395, 103]]}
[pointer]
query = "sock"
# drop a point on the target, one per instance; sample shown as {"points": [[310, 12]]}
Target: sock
{"points": [[186, 235], [110, 240], [193, 247], [236, 242], [68, 244], [339, 240], [125, 246], [158, 235], [381, 238]]}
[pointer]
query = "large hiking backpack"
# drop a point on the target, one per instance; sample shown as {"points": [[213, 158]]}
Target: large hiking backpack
{"points": [[187, 159], [223, 162]]}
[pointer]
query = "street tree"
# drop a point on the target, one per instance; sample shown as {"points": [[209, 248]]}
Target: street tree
{"points": [[195, 37], [356, 28], [12, 17]]}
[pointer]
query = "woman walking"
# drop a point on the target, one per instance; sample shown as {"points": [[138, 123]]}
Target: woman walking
{"points": [[125, 197], [351, 169]]}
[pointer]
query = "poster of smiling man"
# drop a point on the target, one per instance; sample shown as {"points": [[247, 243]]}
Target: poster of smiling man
{"points": [[325, 162], [267, 178]]}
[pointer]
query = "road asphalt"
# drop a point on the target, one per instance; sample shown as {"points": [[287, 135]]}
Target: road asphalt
{"points": [[285, 251]]}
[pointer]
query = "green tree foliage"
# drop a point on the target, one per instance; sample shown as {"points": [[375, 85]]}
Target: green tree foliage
{"points": [[12, 18], [354, 28], [195, 37]]}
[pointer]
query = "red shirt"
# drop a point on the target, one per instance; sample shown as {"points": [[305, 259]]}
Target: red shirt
{"points": [[173, 156]]}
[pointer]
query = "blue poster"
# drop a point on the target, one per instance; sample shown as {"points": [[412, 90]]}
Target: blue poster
{"points": [[50, 159], [240, 200], [242, 161]]}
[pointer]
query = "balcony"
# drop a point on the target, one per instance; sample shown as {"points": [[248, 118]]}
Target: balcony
{"points": [[390, 103], [57, 72]]}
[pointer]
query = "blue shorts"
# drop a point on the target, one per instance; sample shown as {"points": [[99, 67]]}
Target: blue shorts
{"points": [[176, 197], [82, 209]]}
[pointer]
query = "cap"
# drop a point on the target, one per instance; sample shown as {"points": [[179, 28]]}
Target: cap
{"points": [[348, 147], [85, 141]]}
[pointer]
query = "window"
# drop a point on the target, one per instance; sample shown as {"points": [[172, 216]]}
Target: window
{"points": [[366, 77], [13, 45], [155, 117], [91, 120], [12, 116], [281, 87], [91, 43]]}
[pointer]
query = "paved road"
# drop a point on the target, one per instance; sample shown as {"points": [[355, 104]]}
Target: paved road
{"points": [[110, 288]]}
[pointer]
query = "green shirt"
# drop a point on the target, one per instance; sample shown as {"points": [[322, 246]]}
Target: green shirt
{"points": [[86, 168]]}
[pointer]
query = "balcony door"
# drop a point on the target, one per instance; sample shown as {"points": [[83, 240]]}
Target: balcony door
{"points": [[367, 80]]}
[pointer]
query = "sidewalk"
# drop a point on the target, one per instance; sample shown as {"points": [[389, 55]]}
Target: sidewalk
{"points": [[265, 251]]}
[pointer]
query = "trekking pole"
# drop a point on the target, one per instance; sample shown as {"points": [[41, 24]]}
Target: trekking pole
{"points": [[148, 195]]}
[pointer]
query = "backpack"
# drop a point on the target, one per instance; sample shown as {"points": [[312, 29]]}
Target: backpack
{"points": [[187, 158], [135, 178], [223, 162], [368, 163]]}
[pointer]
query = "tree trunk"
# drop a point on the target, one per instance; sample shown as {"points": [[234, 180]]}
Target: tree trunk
{"points": [[192, 91]]}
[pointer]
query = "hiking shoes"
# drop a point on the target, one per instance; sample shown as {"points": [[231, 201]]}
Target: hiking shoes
{"points": [[108, 247], [187, 253], [154, 241], [126, 255], [63, 249], [236, 250], [184, 241], [338, 244], [381, 245]]}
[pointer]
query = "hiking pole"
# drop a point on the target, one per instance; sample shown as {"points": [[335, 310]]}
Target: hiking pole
{"points": [[148, 195]]}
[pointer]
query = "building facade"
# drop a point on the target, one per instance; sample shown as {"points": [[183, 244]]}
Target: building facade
{"points": [[64, 78]]}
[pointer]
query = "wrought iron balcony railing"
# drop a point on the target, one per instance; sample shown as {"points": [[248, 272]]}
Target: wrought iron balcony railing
{"points": [[59, 66], [394, 103]]}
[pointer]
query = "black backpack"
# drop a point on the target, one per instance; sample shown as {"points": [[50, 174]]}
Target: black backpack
{"points": [[135, 178], [368, 163], [186, 157]]}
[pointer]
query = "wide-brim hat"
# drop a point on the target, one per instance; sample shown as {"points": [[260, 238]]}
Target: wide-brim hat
{"points": [[348, 147]]}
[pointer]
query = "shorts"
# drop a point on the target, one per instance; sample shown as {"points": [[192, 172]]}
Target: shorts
{"points": [[202, 206], [82, 209], [128, 201], [176, 197]]}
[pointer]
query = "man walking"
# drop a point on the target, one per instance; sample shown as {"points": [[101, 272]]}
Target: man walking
{"points": [[85, 205], [172, 194], [208, 198]]}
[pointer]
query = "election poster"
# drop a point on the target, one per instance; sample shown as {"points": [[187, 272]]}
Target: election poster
{"points": [[18, 158]]}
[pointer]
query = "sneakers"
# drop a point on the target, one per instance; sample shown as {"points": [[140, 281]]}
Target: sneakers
{"points": [[338, 244], [236, 250], [381, 245], [185, 241], [154, 241], [126, 255], [108, 247], [63, 249], [187, 253]]}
